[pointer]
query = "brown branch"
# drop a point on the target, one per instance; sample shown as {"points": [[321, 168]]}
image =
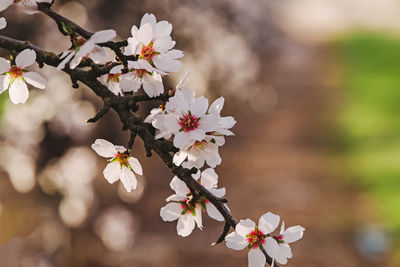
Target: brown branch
{"points": [[122, 105]]}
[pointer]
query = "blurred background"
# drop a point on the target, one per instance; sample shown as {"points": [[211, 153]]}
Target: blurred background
{"points": [[314, 87]]}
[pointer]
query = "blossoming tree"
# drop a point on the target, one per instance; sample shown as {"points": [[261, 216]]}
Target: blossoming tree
{"points": [[185, 131]]}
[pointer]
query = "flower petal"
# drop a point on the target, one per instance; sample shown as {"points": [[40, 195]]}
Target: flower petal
{"points": [[162, 28], [199, 107], [112, 172], [185, 224], [213, 212], [104, 148], [148, 18], [209, 178], [179, 186], [152, 84], [268, 222], [128, 179], [26, 58], [135, 165], [179, 157], [217, 106], [275, 251], [3, 23], [103, 36], [4, 82], [129, 83], [35, 79], [170, 212], [244, 227], [4, 4], [4, 65], [145, 34], [18, 91], [292, 234], [236, 241], [256, 258]]}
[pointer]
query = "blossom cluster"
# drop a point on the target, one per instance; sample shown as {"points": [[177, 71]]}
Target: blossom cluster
{"points": [[196, 128]]}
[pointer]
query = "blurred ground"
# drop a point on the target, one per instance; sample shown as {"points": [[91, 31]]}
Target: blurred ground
{"points": [[294, 152]]}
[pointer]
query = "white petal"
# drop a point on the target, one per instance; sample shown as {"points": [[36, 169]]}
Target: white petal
{"points": [[144, 64], [128, 179], [176, 197], [220, 192], [4, 65], [18, 91], [128, 84], [148, 18], [4, 82], [117, 69], [197, 218], [182, 140], [163, 44], [112, 172], [292, 234], [245, 227], [145, 34], [209, 178], [171, 123], [98, 54], [197, 134], [135, 165], [179, 186], [185, 224], [166, 64], [103, 36], [67, 59], [209, 123], [274, 251], [163, 28], [268, 222], [152, 85], [35, 79], [217, 106], [26, 58], [179, 157], [132, 46], [213, 212], [171, 212], [256, 258], [4, 4], [199, 107], [104, 148], [236, 241], [134, 31], [3, 23]]}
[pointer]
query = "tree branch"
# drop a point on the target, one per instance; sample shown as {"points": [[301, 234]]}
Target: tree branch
{"points": [[122, 105]]}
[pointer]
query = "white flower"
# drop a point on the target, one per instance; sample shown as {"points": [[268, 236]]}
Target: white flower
{"points": [[224, 123], [248, 234], [152, 43], [16, 76], [200, 152], [112, 80], [209, 179], [121, 167], [180, 209], [3, 23], [28, 6], [87, 48], [278, 248], [142, 73]]}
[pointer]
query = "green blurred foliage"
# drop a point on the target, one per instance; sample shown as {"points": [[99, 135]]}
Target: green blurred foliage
{"points": [[370, 118]]}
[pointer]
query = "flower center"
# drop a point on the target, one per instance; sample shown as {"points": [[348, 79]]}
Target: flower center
{"points": [[15, 72], [256, 238], [188, 122], [140, 72], [187, 207], [147, 51], [279, 239], [113, 77], [199, 145], [122, 158]]}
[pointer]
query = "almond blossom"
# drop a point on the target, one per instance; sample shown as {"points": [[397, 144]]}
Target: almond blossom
{"points": [[87, 48], [15, 77], [205, 151], [112, 80], [142, 73], [3, 23], [156, 119], [278, 247], [121, 167], [255, 238], [28, 6], [152, 43], [181, 209]]}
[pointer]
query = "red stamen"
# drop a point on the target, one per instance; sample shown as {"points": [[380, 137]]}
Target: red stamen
{"points": [[188, 122]]}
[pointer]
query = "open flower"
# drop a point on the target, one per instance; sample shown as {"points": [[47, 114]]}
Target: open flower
{"points": [[248, 234], [87, 48], [209, 179], [152, 43], [205, 151], [121, 167], [28, 6], [112, 80], [15, 77], [278, 247], [180, 209], [142, 73]]}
